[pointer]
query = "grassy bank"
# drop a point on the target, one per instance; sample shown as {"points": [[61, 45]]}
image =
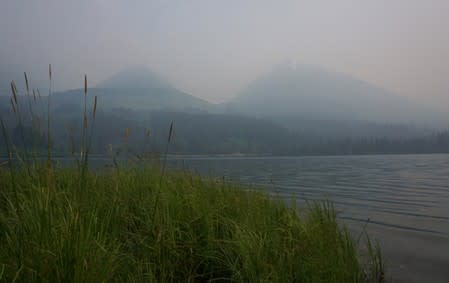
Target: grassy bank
{"points": [[136, 225], [142, 224]]}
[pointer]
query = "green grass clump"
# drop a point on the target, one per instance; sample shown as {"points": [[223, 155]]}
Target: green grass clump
{"points": [[66, 225]]}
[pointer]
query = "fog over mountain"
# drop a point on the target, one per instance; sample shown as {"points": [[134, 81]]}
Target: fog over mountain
{"points": [[138, 89], [293, 110], [213, 49], [289, 91], [314, 101], [293, 90], [359, 63]]}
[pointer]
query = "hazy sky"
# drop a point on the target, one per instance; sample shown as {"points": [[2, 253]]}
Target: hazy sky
{"points": [[214, 48]]}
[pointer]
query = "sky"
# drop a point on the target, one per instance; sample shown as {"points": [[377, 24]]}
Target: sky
{"points": [[213, 49]]}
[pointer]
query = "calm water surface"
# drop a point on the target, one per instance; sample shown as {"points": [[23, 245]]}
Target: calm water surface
{"points": [[404, 199]]}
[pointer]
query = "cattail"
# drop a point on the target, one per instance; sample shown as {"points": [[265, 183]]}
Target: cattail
{"points": [[148, 133], [13, 105], [14, 91], [49, 71], [95, 106], [85, 122], [26, 82], [170, 133]]}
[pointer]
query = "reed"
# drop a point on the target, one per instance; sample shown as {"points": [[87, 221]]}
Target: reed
{"points": [[170, 136], [27, 87], [18, 113], [89, 142], [49, 141], [84, 125]]}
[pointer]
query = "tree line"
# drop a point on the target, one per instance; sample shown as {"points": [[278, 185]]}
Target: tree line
{"points": [[123, 131]]}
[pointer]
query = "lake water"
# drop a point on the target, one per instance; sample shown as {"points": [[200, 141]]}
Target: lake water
{"points": [[405, 198]]}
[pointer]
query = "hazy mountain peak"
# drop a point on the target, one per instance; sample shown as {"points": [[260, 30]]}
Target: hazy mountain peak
{"points": [[313, 92], [139, 77], [137, 88]]}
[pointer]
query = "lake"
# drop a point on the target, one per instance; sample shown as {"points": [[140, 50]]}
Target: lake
{"points": [[403, 200]]}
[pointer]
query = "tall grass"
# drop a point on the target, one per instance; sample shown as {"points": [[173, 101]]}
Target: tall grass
{"points": [[49, 141], [202, 230], [144, 223]]}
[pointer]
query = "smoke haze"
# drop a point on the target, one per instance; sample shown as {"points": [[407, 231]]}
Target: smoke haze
{"points": [[212, 49]]}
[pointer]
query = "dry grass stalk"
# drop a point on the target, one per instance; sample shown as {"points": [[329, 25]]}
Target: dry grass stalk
{"points": [[13, 106], [170, 133], [95, 106], [27, 85], [49, 143], [83, 135], [26, 82], [14, 91], [85, 84]]}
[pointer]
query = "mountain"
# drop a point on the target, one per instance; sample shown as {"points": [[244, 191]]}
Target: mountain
{"points": [[138, 89], [316, 94], [135, 78]]}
